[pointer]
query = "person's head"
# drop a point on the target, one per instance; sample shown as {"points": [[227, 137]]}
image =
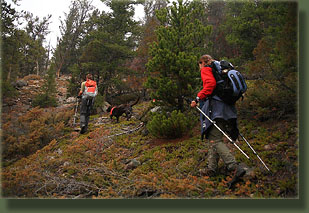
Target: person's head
{"points": [[89, 77], [205, 60]]}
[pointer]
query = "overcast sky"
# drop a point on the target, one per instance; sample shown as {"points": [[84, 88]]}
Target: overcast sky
{"points": [[56, 8]]}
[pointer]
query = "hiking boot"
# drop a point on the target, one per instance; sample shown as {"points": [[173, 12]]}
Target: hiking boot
{"points": [[238, 173], [83, 129], [208, 172]]}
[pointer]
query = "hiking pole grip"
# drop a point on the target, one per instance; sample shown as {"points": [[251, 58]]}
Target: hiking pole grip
{"points": [[214, 123]]}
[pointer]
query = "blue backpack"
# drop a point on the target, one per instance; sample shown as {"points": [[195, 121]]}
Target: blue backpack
{"points": [[231, 85]]}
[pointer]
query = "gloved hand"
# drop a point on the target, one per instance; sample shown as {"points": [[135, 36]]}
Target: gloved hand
{"points": [[79, 96]]}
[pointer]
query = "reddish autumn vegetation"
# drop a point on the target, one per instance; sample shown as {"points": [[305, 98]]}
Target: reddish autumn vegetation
{"points": [[158, 153], [110, 161]]}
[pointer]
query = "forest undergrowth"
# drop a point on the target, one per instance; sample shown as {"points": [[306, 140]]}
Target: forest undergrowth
{"points": [[111, 161]]}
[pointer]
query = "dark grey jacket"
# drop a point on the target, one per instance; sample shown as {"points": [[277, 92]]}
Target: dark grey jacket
{"points": [[215, 108]]}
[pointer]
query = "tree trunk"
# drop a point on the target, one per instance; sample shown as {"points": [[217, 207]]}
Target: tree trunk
{"points": [[9, 74], [59, 69], [37, 68]]}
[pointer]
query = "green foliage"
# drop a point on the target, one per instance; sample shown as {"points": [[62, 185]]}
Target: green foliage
{"points": [[43, 157], [72, 29], [99, 101], [106, 48], [47, 98], [22, 45], [75, 80], [276, 102], [243, 27], [175, 125], [32, 131], [44, 101], [173, 65], [96, 165], [8, 90], [276, 65]]}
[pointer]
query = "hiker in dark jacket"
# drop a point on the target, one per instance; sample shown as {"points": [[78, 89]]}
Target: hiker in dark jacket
{"points": [[225, 117], [86, 103]]}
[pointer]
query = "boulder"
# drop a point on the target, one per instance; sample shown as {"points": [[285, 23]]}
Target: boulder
{"points": [[70, 100], [132, 164], [20, 83], [155, 109]]}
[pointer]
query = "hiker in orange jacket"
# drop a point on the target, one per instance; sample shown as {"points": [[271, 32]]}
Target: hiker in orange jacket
{"points": [[87, 92]]}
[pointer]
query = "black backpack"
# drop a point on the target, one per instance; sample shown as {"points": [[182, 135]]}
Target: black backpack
{"points": [[231, 84]]}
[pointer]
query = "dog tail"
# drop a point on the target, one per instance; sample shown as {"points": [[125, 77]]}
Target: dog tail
{"points": [[135, 102]]}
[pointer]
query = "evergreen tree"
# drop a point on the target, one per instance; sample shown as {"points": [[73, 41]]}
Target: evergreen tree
{"points": [[109, 45], [11, 38], [23, 48], [48, 96], [216, 16], [173, 66], [275, 59], [37, 54], [73, 29]]}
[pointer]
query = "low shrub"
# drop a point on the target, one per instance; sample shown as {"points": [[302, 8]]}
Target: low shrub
{"points": [[44, 101], [266, 101], [173, 125], [8, 90], [32, 131]]}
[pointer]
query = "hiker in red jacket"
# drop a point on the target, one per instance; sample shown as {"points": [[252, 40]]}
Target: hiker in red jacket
{"points": [[225, 117], [87, 92]]}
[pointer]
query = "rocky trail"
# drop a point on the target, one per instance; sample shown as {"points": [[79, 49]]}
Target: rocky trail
{"points": [[29, 87]]}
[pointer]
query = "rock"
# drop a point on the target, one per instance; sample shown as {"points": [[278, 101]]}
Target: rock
{"points": [[51, 157], [61, 100], [59, 151], [35, 82], [267, 147], [62, 91], [66, 164], [89, 152], [155, 109], [249, 171], [132, 164], [254, 132], [145, 132], [20, 83], [70, 100]]}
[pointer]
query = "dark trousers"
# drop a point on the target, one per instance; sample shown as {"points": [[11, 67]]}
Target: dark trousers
{"points": [[85, 110], [218, 147]]}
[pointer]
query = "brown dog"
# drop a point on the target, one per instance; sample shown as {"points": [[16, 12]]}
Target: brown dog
{"points": [[118, 111]]}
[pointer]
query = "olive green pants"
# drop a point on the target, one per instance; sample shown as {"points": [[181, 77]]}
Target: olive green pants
{"points": [[218, 147]]}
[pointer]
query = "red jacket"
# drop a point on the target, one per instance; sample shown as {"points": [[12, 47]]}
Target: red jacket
{"points": [[209, 83]]}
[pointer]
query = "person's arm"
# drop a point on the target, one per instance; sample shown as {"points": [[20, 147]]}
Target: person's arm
{"points": [[209, 84], [81, 89]]}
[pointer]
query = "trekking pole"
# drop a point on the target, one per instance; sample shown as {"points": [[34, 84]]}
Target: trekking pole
{"points": [[76, 106], [244, 139], [214, 123]]}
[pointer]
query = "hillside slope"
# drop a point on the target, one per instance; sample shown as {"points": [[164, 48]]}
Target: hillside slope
{"points": [[118, 160]]}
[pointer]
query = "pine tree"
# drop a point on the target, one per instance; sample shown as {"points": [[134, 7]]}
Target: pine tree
{"points": [[107, 48], [47, 97], [173, 64]]}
